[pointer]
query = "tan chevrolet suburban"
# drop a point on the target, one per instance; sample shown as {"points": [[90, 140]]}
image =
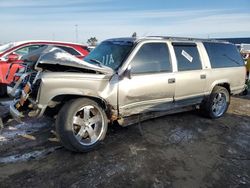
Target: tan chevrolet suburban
{"points": [[125, 80]]}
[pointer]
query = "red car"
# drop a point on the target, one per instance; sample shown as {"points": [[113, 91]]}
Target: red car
{"points": [[12, 52]]}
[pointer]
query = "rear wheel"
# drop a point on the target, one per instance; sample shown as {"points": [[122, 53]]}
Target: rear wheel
{"points": [[217, 103], [81, 125]]}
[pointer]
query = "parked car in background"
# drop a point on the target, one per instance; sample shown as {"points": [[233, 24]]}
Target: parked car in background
{"points": [[124, 80], [12, 53]]}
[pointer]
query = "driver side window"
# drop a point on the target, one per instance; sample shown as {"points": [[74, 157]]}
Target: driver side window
{"points": [[151, 58]]}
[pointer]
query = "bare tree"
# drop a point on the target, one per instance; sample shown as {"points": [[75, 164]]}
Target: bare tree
{"points": [[134, 35], [92, 41]]}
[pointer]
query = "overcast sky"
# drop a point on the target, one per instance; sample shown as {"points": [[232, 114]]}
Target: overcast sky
{"points": [[56, 19]]}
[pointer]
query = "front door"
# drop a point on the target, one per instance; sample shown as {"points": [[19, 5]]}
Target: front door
{"points": [[151, 85]]}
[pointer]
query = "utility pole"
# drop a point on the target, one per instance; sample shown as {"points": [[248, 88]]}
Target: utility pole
{"points": [[76, 30]]}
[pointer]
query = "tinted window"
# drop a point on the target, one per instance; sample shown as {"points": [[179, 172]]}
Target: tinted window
{"points": [[151, 58], [110, 53], [188, 57], [27, 49], [69, 50], [223, 55]]}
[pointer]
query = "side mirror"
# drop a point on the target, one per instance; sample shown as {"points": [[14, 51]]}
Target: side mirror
{"points": [[127, 72], [12, 57]]}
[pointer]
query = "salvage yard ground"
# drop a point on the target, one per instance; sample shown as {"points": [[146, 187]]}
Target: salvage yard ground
{"points": [[181, 150]]}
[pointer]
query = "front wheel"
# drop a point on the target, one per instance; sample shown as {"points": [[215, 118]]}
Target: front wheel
{"points": [[81, 125], [217, 103]]}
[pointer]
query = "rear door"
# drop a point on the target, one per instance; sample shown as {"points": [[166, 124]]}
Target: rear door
{"points": [[190, 76], [151, 86]]}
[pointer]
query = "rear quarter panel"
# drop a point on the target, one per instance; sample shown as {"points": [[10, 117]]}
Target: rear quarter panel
{"points": [[234, 76]]}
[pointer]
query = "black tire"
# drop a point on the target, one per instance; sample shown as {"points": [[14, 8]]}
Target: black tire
{"points": [[207, 107], [3, 90], [65, 126], [245, 92]]}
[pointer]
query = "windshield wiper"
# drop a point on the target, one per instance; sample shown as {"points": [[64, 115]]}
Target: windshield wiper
{"points": [[97, 62]]}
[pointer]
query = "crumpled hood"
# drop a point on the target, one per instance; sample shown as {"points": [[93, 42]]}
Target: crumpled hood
{"points": [[56, 56]]}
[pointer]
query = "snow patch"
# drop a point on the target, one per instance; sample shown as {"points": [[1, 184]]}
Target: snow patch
{"points": [[11, 132], [28, 156], [134, 149], [179, 135], [5, 103]]}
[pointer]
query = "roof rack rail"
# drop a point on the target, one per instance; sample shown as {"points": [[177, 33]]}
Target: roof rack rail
{"points": [[183, 38]]}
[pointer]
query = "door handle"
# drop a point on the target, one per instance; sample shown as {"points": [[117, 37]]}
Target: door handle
{"points": [[171, 80], [203, 76]]}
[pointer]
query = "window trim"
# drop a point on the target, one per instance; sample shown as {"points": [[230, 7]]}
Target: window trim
{"points": [[130, 58]]}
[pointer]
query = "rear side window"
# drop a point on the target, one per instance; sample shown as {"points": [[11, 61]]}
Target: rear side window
{"points": [[188, 57], [69, 50], [223, 55], [151, 58]]}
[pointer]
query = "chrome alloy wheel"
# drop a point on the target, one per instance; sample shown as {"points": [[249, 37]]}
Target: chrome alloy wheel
{"points": [[219, 104], [88, 125]]}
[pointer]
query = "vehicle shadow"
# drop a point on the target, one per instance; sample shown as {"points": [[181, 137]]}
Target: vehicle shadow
{"points": [[243, 96]]}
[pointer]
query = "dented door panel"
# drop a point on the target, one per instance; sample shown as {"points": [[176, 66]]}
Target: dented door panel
{"points": [[143, 93]]}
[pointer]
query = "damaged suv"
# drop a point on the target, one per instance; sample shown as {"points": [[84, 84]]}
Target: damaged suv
{"points": [[126, 80]]}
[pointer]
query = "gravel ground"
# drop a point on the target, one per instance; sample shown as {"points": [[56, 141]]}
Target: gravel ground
{"points": [[181, 150]]}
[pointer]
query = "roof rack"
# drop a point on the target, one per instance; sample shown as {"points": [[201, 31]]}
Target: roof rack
{"points": [[182, 39]]}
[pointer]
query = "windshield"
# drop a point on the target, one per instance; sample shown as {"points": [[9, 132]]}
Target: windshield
{"points": [[5, 47], [110, 53], [53, 58]]}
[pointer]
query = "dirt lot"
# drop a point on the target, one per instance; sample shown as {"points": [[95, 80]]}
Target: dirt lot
{"points": [[181, 150]]}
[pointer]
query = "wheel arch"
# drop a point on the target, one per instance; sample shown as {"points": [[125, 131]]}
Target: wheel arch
{"points": [[58, 101], [222, 83], [225, 85], [68, 97]]}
